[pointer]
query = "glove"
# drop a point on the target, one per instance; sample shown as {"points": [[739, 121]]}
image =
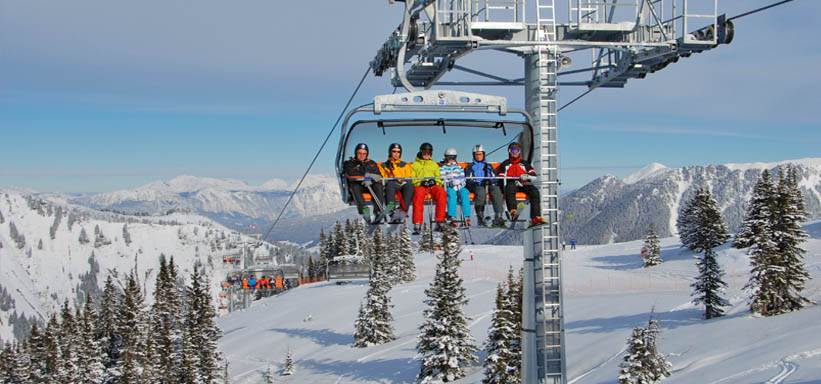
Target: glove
{"points": [[524, 177], [427, 183], [367, 183], [373, 176]]}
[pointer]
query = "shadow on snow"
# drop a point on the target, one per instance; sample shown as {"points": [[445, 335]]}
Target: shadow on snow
{"points": [[323, 337], [392, 370]]}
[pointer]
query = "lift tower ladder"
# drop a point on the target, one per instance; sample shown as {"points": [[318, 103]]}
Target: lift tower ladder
{"points": [[629, 39]]}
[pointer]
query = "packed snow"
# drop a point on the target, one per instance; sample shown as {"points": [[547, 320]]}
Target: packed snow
{"points": [[606, 295]]}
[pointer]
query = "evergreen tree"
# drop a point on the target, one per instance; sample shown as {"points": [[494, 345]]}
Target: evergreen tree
{"points": [[132, 324], [201, 330], [708, 232], [166, 325], [502, 333], [36, 348], [373, 326], [269, 376], [22, 371], [772, 231], [427, 241], [393, 265], [642, 363], [53, 360], [107, 327], [83, 239], [405, 255], [445, 343], [70, 341], [651, 252], [90, 356], [324, 253], [288, 368], [685, 223], [127, 235], [708, 285], [755, 228], [341, 244], [358, 240], [8, 365], [350, 235]]}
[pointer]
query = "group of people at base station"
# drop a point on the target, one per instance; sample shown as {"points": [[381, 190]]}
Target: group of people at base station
{"points": [[253, 283], [446, 182]]}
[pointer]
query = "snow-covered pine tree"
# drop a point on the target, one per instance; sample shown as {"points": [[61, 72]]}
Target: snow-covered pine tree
{"points": [[201, 330], [788, 235], [685, 223], [405, 255], [392, 259], [360, 238], [90, 353], [515, 292], [8, 365], [642, 363], [53, 361], [350, 235], [373, 326], [107, 327], [23, 365], [166, 324], [756, 225], [708, 285], [132, 323], [324, 253], [341, 241], [36, 350], [658, 365], [127, 235], [427, 242], [708, 232], [269, 376], [288, 368], [70, 340], [651, 252], [445, 343], [83, 239], [497, 364]]}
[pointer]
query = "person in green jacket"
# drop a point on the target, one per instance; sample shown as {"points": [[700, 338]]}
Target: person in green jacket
{"points": [[424, 166]]}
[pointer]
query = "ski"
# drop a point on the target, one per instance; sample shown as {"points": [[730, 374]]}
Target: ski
{"points": [[515, 218]]}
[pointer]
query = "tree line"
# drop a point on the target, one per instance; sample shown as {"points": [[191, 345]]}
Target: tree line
{"points": [[123, 340]]}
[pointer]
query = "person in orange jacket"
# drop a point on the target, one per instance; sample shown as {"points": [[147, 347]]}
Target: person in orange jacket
{"points": [[395, 168]]}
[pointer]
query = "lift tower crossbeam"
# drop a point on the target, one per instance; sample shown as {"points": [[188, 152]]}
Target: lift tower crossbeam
{"points": [[628, 40]]}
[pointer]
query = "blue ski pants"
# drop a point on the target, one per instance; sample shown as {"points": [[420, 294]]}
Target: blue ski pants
{"points": [[463, 196]]}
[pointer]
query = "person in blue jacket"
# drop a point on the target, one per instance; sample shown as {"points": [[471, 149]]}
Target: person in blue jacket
{"points": [[482, 187]]}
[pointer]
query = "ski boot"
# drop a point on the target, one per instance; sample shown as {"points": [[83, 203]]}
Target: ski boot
{"points": [[417, 229], [366, 214], [536, 221]]}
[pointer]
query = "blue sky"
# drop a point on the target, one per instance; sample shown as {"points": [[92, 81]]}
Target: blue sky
{"points": [[98, 95]]}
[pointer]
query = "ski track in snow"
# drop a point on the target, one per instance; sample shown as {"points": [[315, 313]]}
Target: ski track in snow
{"points": [[788, 366], [598, 366]]}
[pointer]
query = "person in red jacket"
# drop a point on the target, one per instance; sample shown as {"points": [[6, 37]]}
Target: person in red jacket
{"points": [[516, 167]]}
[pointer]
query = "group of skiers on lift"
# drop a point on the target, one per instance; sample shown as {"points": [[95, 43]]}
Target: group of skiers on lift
{"points": [[446, 182]]}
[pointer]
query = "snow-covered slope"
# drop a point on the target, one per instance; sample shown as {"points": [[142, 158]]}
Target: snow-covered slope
{"points": [[606, 294], [612, 210], [43, 260]]}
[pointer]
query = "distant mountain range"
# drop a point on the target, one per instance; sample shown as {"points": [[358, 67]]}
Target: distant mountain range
{"points": [[609, 209], [605, 210]]}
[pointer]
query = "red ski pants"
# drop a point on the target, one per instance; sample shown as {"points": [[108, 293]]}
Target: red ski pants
{"points": [[439, 197]]}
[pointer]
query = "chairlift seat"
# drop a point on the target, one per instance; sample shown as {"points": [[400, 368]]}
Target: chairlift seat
{"points": [[520, 196]]}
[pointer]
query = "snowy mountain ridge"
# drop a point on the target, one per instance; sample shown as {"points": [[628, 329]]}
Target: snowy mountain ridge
{"points": [[51, 252], [609, 209]]}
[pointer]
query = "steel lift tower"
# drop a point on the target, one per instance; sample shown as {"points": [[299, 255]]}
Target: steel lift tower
{"points": [[625, 38]]}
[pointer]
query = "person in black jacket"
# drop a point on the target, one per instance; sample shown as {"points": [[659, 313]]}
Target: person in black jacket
{"points": [[362, 173]]}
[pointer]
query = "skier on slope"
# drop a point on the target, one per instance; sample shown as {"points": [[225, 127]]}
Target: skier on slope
{"points": [[425, 167], [482, 187], [516, 167], [362, 173]]}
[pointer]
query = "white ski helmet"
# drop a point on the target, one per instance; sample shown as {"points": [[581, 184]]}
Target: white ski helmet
{"points": [[450, 152], [478, 148]]}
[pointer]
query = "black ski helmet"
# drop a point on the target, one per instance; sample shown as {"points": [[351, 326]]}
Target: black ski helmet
{"points": [[426, 147], [394, 145], [362, 146], [513, 145]]}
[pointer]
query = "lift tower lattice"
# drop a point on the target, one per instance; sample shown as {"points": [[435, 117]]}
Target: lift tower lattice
{"points": [[626, 38]]}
